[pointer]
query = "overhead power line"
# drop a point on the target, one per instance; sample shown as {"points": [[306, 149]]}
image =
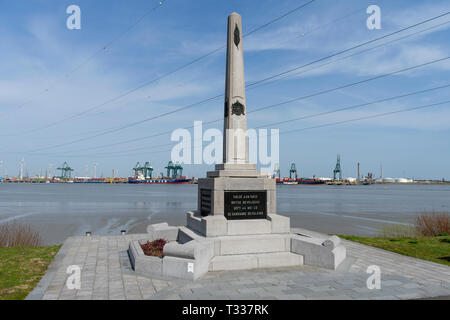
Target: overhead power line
{"points": [[368, 117], [349, 85], [107, 131], [347, 50], [96, 53], [278, 18], [279, 122], [352, 55], [111, 130], [302, 129], [147, 83], [251, 111], [310, 69], [354, 106]]}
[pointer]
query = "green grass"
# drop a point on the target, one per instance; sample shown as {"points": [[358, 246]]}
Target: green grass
{"points": [[436, 249], [21, 268]]}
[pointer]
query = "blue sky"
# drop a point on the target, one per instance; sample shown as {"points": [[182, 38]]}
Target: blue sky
{"points": [[47, 75]]}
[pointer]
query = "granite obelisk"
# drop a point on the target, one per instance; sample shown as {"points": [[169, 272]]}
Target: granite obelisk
{"points": [[235, 146], [235, 190]]}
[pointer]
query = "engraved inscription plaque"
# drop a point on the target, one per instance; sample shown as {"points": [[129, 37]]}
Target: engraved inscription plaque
{"points": [[245, 205], [205, 199]]}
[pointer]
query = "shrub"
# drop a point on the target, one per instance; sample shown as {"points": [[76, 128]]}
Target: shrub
{"points": [[431, 224], [19, 235], [398, 231], [154, 248]]}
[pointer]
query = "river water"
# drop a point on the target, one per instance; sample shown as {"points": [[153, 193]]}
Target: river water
{"points": [[62, 210]]}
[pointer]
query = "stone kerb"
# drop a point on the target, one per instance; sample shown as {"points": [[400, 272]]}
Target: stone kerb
{"points": [[325, 253]]}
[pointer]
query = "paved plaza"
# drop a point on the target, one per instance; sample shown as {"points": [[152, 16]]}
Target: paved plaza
{"points": [[107, 274]]}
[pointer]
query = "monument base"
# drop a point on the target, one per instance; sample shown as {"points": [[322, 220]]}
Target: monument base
{"points": [[235, 228], [215, 244], [215, 226]]}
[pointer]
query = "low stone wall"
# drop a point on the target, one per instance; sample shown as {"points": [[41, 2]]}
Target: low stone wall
{"points": [[182, 258], [189, 254]]}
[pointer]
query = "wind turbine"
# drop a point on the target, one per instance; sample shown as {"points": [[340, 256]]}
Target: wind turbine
{"points": [[95, 169], [22, 163]]}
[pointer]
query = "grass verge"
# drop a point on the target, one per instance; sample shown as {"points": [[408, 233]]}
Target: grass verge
{"points": [[21, 268], [436, 249]]}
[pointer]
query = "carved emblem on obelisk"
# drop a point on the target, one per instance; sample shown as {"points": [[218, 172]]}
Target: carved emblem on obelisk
{"points": [[237, 36], [237, 109]]}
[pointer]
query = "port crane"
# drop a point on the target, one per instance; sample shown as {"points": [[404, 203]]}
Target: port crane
{"points": [[178, 172], [66, 171], [293, 172], [170, 169], [174, 170], [137, 169], [337, 169], [276, 172], [146, 170]]}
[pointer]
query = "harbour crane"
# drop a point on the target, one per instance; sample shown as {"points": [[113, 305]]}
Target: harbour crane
{"points": [[178, 171], [170, 169], [338, 169], [66, 171], [293, 171], [276, 171], [147, 170], [137, 169]]}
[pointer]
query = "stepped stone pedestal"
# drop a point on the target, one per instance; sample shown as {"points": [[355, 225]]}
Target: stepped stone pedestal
{"points": [[236, 225]]}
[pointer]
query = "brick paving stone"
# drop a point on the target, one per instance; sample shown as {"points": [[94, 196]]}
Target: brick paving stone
{"points": [[107, 274]]}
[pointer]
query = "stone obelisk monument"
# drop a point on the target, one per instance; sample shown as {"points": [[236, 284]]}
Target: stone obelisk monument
{"points": [[235, 190], [235, 146], [236, 225]]}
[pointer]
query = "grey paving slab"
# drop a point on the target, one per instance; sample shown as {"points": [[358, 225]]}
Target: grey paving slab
{"points": [[107, 274]]}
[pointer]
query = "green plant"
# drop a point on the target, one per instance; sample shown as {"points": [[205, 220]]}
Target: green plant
{"points": [[430, 224], [154, 248], [398, 231], [18, 235]]}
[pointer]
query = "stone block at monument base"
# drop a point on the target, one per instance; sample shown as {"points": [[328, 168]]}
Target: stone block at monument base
{"points": [[191, 254]]}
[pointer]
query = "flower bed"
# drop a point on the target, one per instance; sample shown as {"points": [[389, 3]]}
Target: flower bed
{"points": [[154, 248]]}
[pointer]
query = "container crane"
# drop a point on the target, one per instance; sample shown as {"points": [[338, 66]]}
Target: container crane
{"points": [[293, 172], [178, 171], [170, 169], [147, 170], [66, 171], [337, 170]]}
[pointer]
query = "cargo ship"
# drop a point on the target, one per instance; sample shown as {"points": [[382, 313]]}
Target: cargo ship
{"points": [[310, 181], [290, 181], [143, 175], [91, 180]]}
